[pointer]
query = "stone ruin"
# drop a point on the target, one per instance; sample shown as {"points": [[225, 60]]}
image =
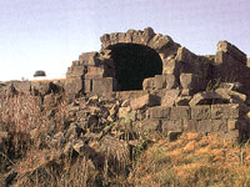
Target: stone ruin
{"points": [[162, 85], [182, 91], [140, 87]]}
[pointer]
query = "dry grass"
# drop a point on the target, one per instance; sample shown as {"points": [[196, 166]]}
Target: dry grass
{"points": [[195, 161]]}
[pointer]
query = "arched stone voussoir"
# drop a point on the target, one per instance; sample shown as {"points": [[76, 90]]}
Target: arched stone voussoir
{"points": [[146, 37]]}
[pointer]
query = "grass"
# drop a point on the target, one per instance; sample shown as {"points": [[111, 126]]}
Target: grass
{"points": [[194, 160]]}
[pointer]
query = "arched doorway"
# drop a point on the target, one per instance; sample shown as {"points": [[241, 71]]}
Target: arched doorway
{"points": [[133, 63]]}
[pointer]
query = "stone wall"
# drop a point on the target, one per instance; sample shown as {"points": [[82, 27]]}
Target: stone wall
{"points": [[220, 119]]}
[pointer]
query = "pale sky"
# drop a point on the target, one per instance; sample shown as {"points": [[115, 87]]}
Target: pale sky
{"points": [[49, 34]]}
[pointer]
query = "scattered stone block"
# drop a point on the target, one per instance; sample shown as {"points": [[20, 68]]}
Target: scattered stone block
{"points": [[144, 101], [158, 112], [89, 58], [223, 93], [230, 85], [180, 112], [196, 99], [182, 100], [170, 97], [201, 112], [239, 96], [204, 98]]}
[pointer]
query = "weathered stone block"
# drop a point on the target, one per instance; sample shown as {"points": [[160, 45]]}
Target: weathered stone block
{"points": [[158, 42], [201, 112], [148, 34], [180, 112], [182, 101], [170, 82], [172, 125], [232, 50], [196, 99], [184, 55], [190, 125], [223, 93], [160, 82], [170, 97], [76, 71], [170, 66], [203, 97], [148, 84], [151, 125], [88, 85], [96, 69], [230, 85], [221, 57], [204, 126], [225, 111], [158, 112], [73, 86], [144, 101], [22, 86], [232, 124], [238, 96], [186, 92], [89, 58], [189, 81], [219, 125], [233, 135], [103, 85], [95, 72]]}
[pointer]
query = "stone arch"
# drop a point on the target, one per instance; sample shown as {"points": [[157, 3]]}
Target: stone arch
{"points": [[160, 43], [132, 63]]}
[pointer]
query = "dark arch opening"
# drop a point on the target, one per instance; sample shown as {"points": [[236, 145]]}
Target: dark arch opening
{"points": [[133, 63]]}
